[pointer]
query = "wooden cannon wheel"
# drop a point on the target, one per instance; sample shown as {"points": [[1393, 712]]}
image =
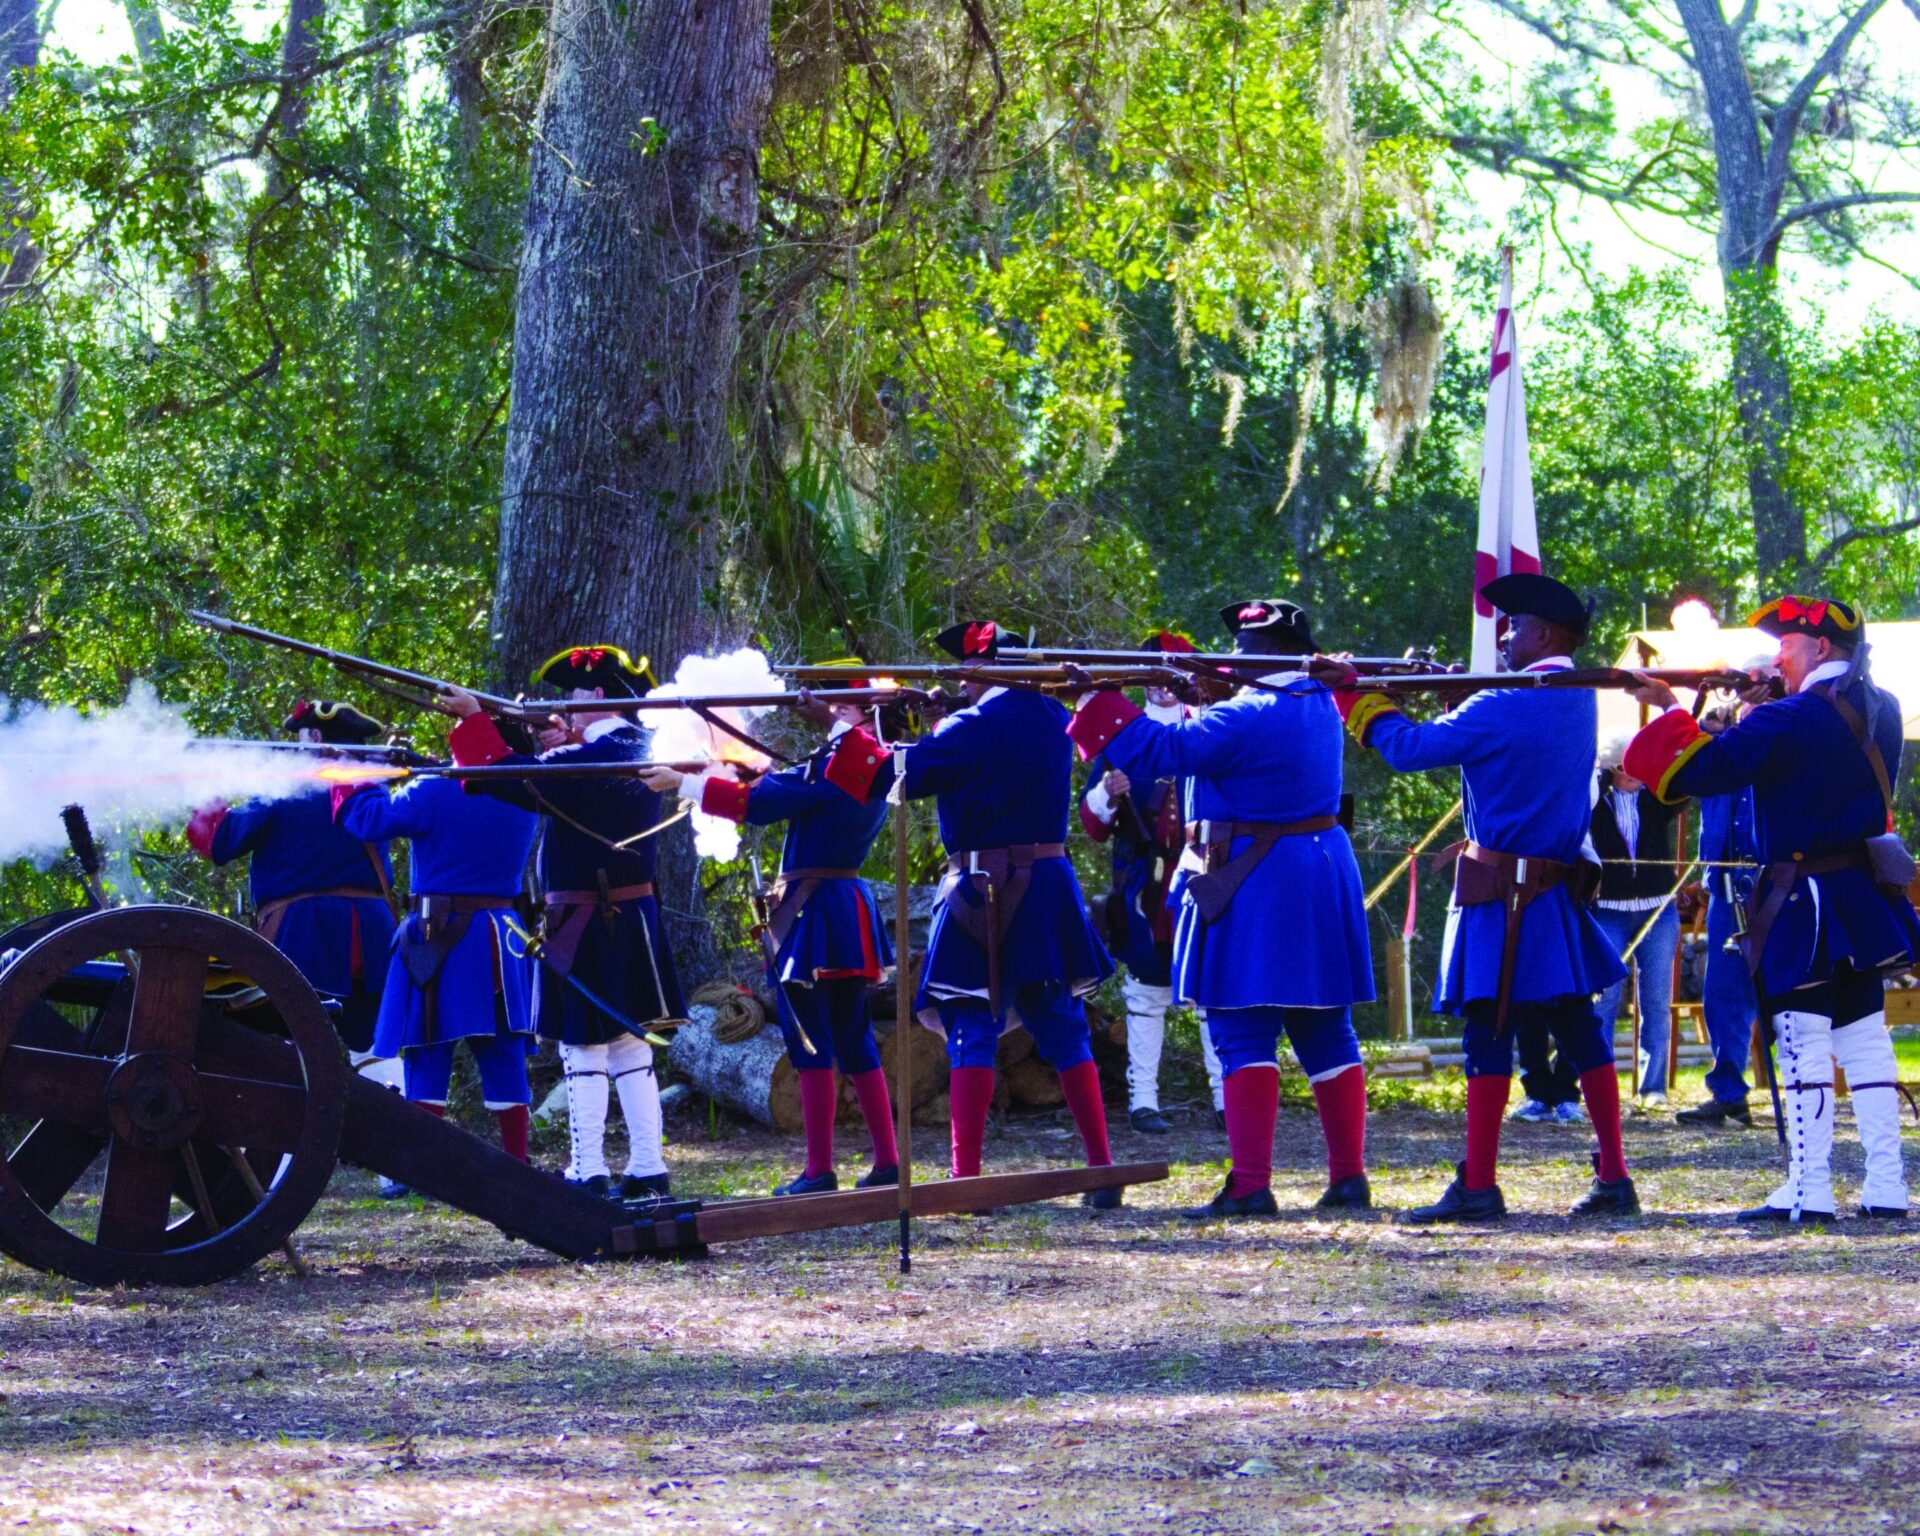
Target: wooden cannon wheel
{"points": [[214, 1138]]}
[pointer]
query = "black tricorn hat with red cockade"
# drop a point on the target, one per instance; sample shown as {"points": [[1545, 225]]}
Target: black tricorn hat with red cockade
{"points": [[1825, 618], [974, 640], [334, 720], [598, 666], [1281, 625]]}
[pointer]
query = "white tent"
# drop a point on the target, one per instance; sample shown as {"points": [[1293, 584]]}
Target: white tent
{"points": [[1895, 660]]}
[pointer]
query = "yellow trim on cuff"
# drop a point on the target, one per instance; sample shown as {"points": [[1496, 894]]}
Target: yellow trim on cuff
{"points": [[1684, 757], [1371, 707]]}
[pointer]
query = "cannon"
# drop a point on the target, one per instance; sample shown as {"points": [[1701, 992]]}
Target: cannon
{"points": [[183, 1057]]}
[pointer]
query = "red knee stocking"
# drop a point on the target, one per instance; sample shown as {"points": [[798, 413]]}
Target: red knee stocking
{"points": [[1486, 1108], [1253, 1104], [970, 1094], [819, 1099], [1081, 1084], [876, 1108], [514, 1122], [1343, 1121], [1601, 1089]]}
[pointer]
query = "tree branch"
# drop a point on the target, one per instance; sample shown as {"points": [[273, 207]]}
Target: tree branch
{"points": [[1566, 42], [1821, 207], [1510, 157], [1786, 121], [1853, 535]]}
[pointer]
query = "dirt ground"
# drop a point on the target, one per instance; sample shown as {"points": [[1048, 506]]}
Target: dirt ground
{"points": [[1044, 1370]]}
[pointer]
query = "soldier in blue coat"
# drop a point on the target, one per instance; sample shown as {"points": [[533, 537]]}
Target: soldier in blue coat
{"points": [[321, 895], [456, 971], [825, 943], [1520, 939], [601, 922], [1144, 826], [1829, 915], [1726, 997], [1010, 940], [1272, 932]]}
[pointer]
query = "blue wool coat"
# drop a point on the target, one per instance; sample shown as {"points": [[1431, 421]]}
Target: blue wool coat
{"points": [[296, 847], [1001, 773], [627, 963], [1296, 933], [462, 845], [1813, 793], [1726, 837], [1526, 762], [837, 929]]}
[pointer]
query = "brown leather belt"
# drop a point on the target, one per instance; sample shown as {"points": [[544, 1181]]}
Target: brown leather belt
{"points": [[431, 904], [615, 894], [1483, 876], [1214, 888], [266, 921], [424, 946], [789, 894], [1004, 874], [1777, 880]]}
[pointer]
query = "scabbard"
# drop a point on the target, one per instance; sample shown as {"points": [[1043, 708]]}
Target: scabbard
{"points": [[993, 947]]}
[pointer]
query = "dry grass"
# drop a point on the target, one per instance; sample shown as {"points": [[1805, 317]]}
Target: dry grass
{"points": [[1041, 1371]]}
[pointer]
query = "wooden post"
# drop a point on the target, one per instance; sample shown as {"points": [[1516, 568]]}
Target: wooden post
{"points": [[1399, 991], [902, 1022]]}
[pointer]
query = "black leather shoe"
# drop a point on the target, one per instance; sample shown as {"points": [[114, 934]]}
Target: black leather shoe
{"points": [[393, 1189], [879, 1178], [1883, 1212], [804, 1184], [653, 1186], [1459, 1203], [595, 1184], [1110, 1199], [1223, 1205], [1149, 1122], [1716, 1112], [1352, 1193], [1608, 1197], [1775, 1215]]}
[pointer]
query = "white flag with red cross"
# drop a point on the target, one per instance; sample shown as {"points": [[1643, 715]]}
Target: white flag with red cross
{"points": [[1509, 540]]}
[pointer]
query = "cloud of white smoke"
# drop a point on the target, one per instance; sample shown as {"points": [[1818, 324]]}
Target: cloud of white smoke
{"points": [[681, 735], [138, 765]]}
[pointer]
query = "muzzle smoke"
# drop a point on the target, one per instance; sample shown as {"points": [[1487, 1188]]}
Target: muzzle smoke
{"points": [[682, 735]]}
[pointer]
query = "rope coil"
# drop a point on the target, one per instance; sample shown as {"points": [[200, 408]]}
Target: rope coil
{"points": [[738, 1016]]}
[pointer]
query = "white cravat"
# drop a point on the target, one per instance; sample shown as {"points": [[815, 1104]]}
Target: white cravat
{"points": [[1834, 670]]}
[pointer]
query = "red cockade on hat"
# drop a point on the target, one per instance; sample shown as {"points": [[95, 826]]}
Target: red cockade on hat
{"points": [[1793, 611], [979, 639], [588, 655], [1252, 611]]}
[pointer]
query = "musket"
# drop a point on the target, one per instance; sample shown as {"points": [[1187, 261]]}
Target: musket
{"points": [[1700, 678], [419, 688], [762, 905], [482, 773], [389, 756], [1414, 662]]}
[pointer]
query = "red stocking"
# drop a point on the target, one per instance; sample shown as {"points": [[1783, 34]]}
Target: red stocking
{"points": [[1343, 1120], [1486, 1108], [1601, 1089], [1081, 1084], [819, 1100], [970, 1094], [876, 1108], [514, 1122], [1253, 1104]]}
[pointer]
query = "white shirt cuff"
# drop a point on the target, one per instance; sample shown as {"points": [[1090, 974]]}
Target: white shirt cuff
{"points": [[694, 786], [1099, 802]]}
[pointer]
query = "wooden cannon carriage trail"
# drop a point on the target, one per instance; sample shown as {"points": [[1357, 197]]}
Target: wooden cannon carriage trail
{"points": [[185, 1059]]}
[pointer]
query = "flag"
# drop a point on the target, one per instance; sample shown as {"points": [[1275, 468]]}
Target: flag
{"points": [[1508, 539]]}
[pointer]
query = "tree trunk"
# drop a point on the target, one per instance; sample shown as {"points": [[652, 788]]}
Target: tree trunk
{"points": [[1763, 390], [19, 50], [641, 209], [299, 50], [1749, 186]]}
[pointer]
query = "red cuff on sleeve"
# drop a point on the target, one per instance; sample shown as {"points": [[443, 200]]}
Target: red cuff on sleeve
{"points": [[476, 741], [856, 763], [1096, 829], [203, 825], [1344, 700], [342, 793], [1101, 718], [1662, 749], [725, 797]]}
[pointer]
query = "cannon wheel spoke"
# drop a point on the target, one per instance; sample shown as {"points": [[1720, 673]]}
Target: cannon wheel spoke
{"points": [[66, 1087], [137, 1199], [168, 994], [250, 1112]]}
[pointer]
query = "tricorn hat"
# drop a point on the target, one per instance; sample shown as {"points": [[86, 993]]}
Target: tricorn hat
{"points": [[1534, 595], [974, 640], [850, 682], [1285, 624], [598, 666], [334, 720], [1825, 618]]}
